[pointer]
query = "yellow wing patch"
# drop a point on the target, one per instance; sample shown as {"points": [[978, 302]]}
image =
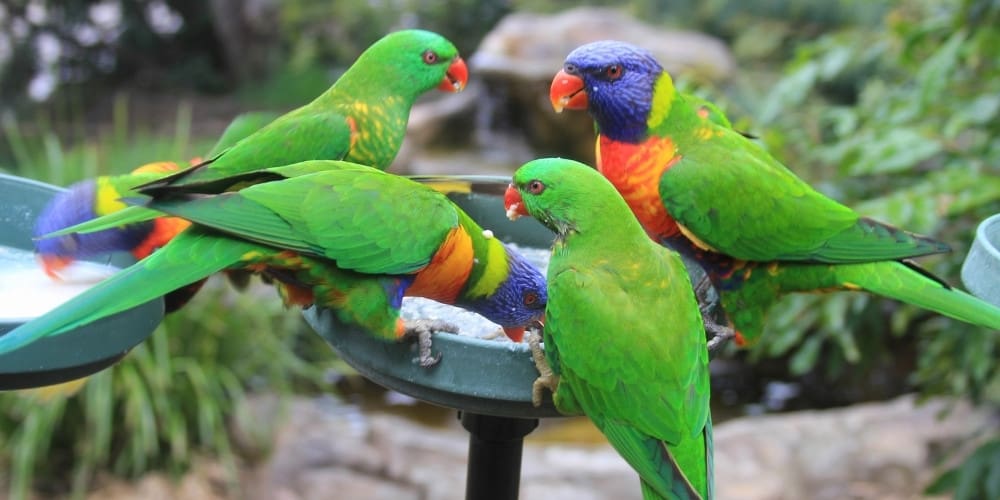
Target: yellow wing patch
{"points": [[694, 239]]}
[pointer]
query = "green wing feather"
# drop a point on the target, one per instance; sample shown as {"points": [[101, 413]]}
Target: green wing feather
{"points": [[241, 127], [191, 256], [297, 136], [139, 212], [384, 210]]}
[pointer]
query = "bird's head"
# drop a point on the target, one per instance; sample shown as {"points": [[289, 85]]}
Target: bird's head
{"points": [[68, 208], [417, 59], [614, 81], [519, 300], [564, 195]]}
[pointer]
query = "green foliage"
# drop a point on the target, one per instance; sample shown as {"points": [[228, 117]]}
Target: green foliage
{"points": [[175, 396], [900, 126], [37, 148], [966, 481]]}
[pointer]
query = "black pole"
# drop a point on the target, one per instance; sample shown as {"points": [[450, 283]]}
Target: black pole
{"points": [[495, 445]]}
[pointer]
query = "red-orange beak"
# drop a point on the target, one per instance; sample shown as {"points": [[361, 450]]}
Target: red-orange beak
{"points": [[567, 92], [456, 77], [514, 333], [52, 264], [514, 205]]}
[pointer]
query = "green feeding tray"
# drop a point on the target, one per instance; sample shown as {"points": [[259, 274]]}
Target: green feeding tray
{"points": [[981, 269], [487, 377], [76, 353]]}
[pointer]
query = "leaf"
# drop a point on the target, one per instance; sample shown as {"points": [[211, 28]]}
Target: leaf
{"points": [[897, 149], [789, 91], [804, 359]]}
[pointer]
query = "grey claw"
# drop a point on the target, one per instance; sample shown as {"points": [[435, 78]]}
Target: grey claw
{"points": [[546, 378], [423, 330], [720, 335]]}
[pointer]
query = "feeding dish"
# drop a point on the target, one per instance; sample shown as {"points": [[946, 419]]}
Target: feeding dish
{"points": [[981, 269], [73, 354]]}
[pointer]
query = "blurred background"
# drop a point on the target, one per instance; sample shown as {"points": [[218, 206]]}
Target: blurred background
{"points": [[888, 106]]}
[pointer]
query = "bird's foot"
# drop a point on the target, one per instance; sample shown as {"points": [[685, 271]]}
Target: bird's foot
{"points": [[422, 330], [701, 293], [721, 334], [546, 378]]}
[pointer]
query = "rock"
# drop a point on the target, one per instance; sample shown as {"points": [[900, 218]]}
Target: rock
{"points": [[519, 57], [327, 449], [531, 47], [438, 120], [874, 450], [206, 481]]}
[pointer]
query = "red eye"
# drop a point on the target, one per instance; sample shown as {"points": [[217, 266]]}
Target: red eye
{"points": [[536, 187], [613, 72], [430, 57], [530, 299]]}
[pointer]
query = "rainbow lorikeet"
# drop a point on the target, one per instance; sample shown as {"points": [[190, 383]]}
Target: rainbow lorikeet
{"points": [[623, 332], [709, 192], [343, 236], [92, 198]]}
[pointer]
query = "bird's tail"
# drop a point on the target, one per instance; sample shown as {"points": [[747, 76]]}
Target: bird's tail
{"points": [[128, 215], [192, 256], [906, 282], [464, 184]]}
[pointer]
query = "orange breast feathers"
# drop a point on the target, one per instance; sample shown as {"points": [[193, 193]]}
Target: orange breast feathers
{"points": [[164, 230], [635, 170], [448, 270]]}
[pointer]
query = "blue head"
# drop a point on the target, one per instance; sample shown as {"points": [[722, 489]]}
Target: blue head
{"points": [[71, 207], [614, 81], [519, 299]]}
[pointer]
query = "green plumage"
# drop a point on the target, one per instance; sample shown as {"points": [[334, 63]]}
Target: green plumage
{"points": [[353, 237], [623, 330], [754, 208], [865, 255], [361, 118], [714, 195], [242, 126]]}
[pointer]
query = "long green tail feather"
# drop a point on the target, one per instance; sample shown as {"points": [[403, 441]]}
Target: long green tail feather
{"points": [[127, 215], [906, 283], [661, 474], [138, 213], [191, 256]]}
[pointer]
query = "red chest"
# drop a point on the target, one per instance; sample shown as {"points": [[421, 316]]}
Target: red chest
{"points": [[635, 170]]}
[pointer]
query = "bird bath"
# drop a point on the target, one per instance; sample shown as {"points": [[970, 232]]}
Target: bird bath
{"points": [[74, 354], [981, 269]]}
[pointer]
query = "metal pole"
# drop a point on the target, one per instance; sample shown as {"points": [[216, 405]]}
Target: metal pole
{"points": [[495, 445]]}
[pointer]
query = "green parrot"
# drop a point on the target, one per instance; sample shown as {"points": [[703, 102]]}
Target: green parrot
{"points": [[361, 118], [343, 236], [623, 332], [716, 196]]}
